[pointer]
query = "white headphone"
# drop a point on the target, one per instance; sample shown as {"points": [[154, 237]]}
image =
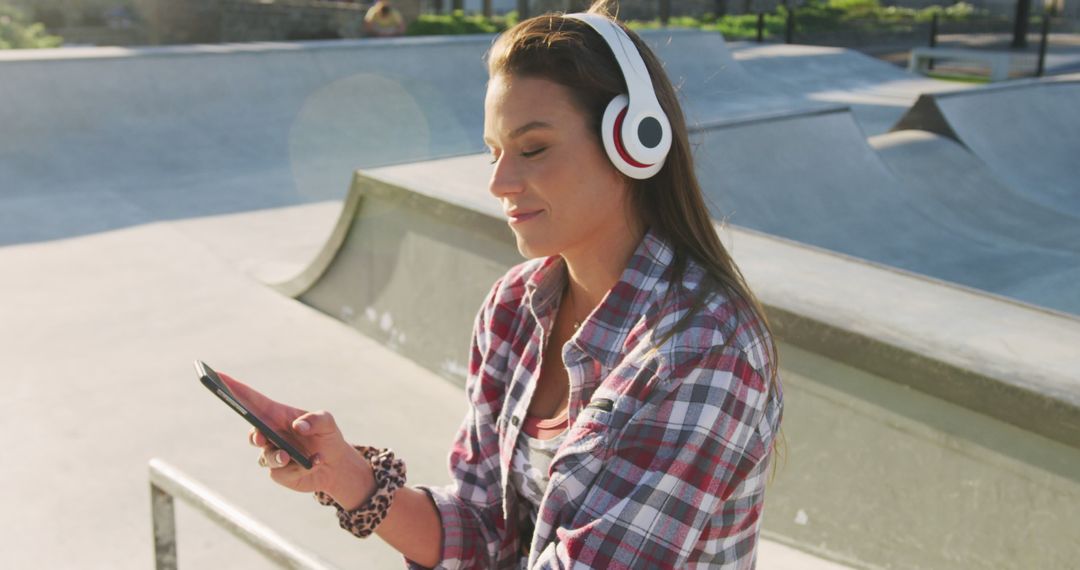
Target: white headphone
{"points": [[635, 130]]}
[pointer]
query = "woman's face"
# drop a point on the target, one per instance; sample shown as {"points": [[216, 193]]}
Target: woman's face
{"points": [[551, 176]]}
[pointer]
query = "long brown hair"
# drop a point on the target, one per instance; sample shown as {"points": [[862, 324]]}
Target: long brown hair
{"points": [[567, 51]]}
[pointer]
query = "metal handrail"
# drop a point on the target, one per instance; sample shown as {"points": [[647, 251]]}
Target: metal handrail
{"points": [[167, 482]]}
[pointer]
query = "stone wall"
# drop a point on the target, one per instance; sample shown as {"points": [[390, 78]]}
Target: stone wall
{"points": [[255, 20], [217, 21], [102, 35]]}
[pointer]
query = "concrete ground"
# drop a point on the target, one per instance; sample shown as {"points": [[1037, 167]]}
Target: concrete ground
{"points": [[97, 333]]}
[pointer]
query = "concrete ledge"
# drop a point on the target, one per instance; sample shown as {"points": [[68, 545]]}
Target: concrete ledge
{"points": [[990, 354], [105, 52], [75, 53], [1003, 358]]}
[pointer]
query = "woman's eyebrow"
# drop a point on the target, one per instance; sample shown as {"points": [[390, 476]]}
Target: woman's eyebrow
{"points": [[530, 126]]}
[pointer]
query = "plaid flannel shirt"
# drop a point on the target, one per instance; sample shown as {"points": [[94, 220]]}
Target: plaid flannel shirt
{"points": [[665, 461]]}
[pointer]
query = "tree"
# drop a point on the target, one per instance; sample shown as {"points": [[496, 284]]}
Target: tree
{"points": [[16, 32]]}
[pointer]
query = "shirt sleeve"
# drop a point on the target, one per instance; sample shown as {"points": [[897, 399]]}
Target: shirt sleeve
{"points": [[473, 529], [683, 484]]}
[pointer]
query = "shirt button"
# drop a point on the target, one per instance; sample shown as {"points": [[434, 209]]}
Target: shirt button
{"points": [[514, 420]]}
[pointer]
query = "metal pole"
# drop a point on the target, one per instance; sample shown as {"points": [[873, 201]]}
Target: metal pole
{"points": [[155, 23], [1043, 40], [1020, 26], [789, 29], [177, 485], [665, 12], [933, 39], [522, 9], [760, 27], [458, 5], [164, 514], [487, 9]]}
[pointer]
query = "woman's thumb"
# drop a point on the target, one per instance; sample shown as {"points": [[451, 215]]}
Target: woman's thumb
{"points": [[315, 423]]}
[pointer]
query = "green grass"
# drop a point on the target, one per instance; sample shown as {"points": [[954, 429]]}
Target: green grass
{"points": [[959, 77], [458, 23], [816, 16]]}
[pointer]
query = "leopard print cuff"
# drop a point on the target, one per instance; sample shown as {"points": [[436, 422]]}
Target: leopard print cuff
{"points": [[389, 477]]}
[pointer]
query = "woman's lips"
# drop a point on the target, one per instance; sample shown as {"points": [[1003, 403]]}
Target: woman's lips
{"points": [[522, 217]]}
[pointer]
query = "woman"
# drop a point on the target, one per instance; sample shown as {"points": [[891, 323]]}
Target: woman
{"points": [[623, 399]]}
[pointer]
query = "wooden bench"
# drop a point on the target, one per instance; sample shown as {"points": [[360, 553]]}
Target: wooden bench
{"points": [[999, 62]]}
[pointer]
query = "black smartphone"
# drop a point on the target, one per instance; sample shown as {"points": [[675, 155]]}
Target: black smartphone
{"points": [[279, 435]]}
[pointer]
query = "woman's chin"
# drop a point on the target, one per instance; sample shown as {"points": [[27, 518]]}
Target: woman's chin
{"points": [[531, 248]]}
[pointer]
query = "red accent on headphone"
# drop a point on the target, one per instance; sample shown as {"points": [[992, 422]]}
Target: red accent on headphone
{"points": [[618, 141]]}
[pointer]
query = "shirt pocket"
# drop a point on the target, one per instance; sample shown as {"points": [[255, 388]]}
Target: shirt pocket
{"points": [[586, 437], [587, 445]]}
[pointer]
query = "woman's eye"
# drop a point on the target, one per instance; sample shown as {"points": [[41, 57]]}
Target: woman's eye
{"points": [[532, 153]]}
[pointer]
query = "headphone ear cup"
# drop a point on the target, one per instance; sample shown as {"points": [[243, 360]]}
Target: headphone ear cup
{"points": [[611, 134]]}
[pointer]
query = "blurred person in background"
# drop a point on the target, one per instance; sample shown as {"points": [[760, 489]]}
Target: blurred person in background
{"points": [[382, 20]]}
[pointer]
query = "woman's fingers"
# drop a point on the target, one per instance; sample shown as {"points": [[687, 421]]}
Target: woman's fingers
{"points": [[245, 392], [274, 458], [256, 438], [258, 402], [293, 477]]}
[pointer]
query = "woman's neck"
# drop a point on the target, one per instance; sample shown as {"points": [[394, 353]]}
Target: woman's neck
{"points": [[593, 270]]}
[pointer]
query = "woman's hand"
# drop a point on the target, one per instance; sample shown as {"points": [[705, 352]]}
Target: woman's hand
{"points": [[413, 525], [337, 469]]}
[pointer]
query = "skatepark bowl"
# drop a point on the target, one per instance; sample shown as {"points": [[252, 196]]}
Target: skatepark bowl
{"points": [[293, 213]]}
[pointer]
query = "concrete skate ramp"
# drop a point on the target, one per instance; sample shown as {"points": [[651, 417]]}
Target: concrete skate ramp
{"points": [[1027, 133], [714, 87], [199, 130], [385, 269], [877, 91], [952, 186], [814, 179], [102, 138]]}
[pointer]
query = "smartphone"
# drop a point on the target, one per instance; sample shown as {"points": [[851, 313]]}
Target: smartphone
{"points": [[278, 435]]}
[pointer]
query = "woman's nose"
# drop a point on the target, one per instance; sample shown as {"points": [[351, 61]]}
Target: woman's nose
{"points": [[505, 178]]}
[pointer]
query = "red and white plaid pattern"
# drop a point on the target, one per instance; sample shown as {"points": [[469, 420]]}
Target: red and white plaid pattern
{"points": [[665, 461]]}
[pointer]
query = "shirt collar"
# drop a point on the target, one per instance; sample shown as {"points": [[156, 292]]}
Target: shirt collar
{"points": [[603, 333]]}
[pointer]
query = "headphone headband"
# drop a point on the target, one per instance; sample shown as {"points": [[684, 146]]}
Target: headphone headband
{"points": [[638, 81]]}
